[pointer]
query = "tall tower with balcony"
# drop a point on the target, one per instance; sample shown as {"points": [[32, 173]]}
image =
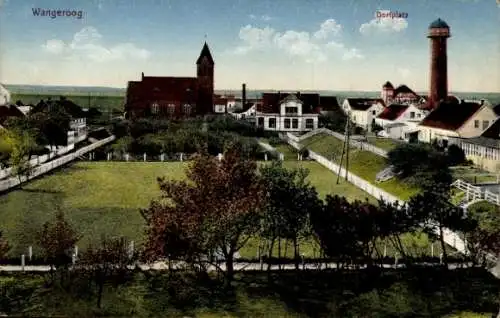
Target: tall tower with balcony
{"points": [[438, 34], [205, 74]]}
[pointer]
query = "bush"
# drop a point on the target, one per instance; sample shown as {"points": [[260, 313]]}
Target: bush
{"points": [[274, 141], [455, 155]]}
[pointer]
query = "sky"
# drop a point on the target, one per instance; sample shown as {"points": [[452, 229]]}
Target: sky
{"points": [[267, 44]]}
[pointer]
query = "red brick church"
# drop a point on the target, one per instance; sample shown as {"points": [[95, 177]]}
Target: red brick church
{"points": [[174, 97]]}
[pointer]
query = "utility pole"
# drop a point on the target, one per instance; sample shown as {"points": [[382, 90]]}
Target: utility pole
{"points": [[345, 150], [347, 144]]}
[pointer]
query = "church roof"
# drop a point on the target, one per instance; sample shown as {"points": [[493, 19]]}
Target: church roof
{"points": [[205, 52], [438, 24], [388, 85]]}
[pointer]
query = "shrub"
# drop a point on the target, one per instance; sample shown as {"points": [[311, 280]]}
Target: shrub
{"points": [[274, 141], [455, 155]]}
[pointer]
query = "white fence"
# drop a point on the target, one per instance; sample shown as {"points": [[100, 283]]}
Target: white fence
{"points": [[362, 145], [37, 160], [43, 168], [451, 238], [473, 192]]}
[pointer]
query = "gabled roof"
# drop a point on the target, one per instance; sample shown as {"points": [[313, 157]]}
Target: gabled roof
{"points": [[7, 111], [451, 116], [205, 52], [291, 98], [388, 85], [271, 102], [363, 104], [493, 131], [69, 107], [393, 111], [496, 109], [403, 89]]}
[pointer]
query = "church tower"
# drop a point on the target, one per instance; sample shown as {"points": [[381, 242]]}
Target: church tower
{"points": [[205, 74]]}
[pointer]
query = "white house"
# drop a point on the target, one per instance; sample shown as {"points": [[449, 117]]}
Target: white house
{"points": [[4, 96], [288, 112], [363, 111], [245, 113], [401, 120], [484, 150], [456, 119]]}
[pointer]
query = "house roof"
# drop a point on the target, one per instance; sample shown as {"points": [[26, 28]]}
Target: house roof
{"points": [[393, 111], [205, 52], [69, 107], [329, 103], [363, 104], [450, 116], [496, 109], [403, 89], [7, 111], [271, 102], [483, 141], [493, 131], [388, 85], [219, 100]]}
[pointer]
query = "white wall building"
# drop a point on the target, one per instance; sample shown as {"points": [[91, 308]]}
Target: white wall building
{"points": [[286, 115], [363, 111]]}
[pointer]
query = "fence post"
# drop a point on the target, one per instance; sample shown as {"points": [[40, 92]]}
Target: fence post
{"points": [[131, 249], [144, 157], [181, 156], [265, 157], [282, 157], [219, 156], [30, 252], [432, 249], [22, 262], [162, 157], [109, 157], [76, 251]]}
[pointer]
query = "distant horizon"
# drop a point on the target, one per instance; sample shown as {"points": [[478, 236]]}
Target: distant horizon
{"points": [[238, 89]]}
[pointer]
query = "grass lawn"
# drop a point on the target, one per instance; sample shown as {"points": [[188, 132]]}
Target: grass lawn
{"points": [[363, 163], [383, 143], [473, 174], [105, 198]]}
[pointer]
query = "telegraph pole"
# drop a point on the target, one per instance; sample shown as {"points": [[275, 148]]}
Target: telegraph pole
{"points": [[344, 150]]}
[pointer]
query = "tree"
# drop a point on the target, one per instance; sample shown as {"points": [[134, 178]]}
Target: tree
{"points": [[291, 200], [23, 146], [107, 261], [4, 247], [486, 237], [216, 209], [57, 240], [53, 125]]}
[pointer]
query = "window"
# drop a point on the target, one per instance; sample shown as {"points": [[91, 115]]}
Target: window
{"points": [[485, 124], [373, 112], [476, 123], [295, 123], [272, 123], [287, 123], [155, 108], [260, 122], [186, 109], [309, 123], [291, 110], [412, 115], [171, 109], [419, 115]]}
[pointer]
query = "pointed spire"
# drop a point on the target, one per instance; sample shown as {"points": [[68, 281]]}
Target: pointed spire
{"points": [[205, 52]]}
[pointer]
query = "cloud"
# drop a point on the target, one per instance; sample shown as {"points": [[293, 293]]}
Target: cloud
{"points": [[87, 44], [312, 47], [404, 72], [383, 25], [327, 28], [264, 17]]}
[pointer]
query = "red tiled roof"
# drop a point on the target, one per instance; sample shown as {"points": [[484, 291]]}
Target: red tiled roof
{"points": [[493, 131], [450, 116], [9, 111], [363, 104], [393, 111]]}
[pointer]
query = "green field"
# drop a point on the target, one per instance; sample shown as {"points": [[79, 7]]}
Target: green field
{"points": [[362, 163], [105, 103], [473, 174], [105, 198], [383, 143]]}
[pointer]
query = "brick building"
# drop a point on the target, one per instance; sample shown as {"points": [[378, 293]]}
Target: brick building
{"points": [[163, 96]]}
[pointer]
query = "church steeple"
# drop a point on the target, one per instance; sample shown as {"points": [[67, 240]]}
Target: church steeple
{"points": [[205, 52]]}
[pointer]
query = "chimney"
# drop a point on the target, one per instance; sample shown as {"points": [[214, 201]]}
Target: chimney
{"points": [[482, 102], [142, 76], [243, 94]]}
